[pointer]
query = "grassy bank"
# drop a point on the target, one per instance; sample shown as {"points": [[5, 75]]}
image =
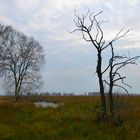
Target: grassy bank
{"points": [[75, 120]]}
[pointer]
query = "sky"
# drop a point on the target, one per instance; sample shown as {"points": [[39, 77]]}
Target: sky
{"points": [[70, 61]]}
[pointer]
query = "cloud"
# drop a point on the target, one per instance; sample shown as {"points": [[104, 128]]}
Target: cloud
{"points": [[53, 17], [49, 20], [133, 3], [26, 6]]}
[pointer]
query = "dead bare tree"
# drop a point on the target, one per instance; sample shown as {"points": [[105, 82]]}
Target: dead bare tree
{"points": [[116, 63], [91, 29], [20, 61], [96, 40]]}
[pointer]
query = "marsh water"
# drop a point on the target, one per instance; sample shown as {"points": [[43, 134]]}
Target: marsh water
{"points": [[45, 104]]}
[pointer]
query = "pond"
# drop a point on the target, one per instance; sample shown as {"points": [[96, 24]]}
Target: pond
{"points": [[45, 104]]}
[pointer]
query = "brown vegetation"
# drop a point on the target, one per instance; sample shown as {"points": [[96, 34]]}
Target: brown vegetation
{"points": [[76, 120]]}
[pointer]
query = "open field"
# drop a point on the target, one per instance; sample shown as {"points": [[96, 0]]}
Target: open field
{"points": [[75, 120]]}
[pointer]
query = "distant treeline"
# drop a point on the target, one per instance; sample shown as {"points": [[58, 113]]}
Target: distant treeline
{"points": [[75, 94], [64, 94]]}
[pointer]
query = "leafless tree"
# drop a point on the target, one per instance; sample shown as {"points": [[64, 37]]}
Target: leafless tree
{"points": [[91, 29], [88, 24], [20, 61], [116, 63]]}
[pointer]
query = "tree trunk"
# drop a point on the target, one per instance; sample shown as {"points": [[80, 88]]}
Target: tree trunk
{"points": [[16, 93], [99, 73], [103, 100], [111, 99], [16, 96], [111, 107]]}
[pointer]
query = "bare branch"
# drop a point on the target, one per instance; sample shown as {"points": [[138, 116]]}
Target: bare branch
{"points": [[122, 88], [106, 82], [118, 36]]}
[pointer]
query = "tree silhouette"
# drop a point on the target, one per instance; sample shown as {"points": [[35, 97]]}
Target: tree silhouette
{"points": [[91, 29], [116, 63], [20, 60]]}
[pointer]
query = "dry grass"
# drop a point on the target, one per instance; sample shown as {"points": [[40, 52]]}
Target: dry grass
{"points": [[76, 120]]}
